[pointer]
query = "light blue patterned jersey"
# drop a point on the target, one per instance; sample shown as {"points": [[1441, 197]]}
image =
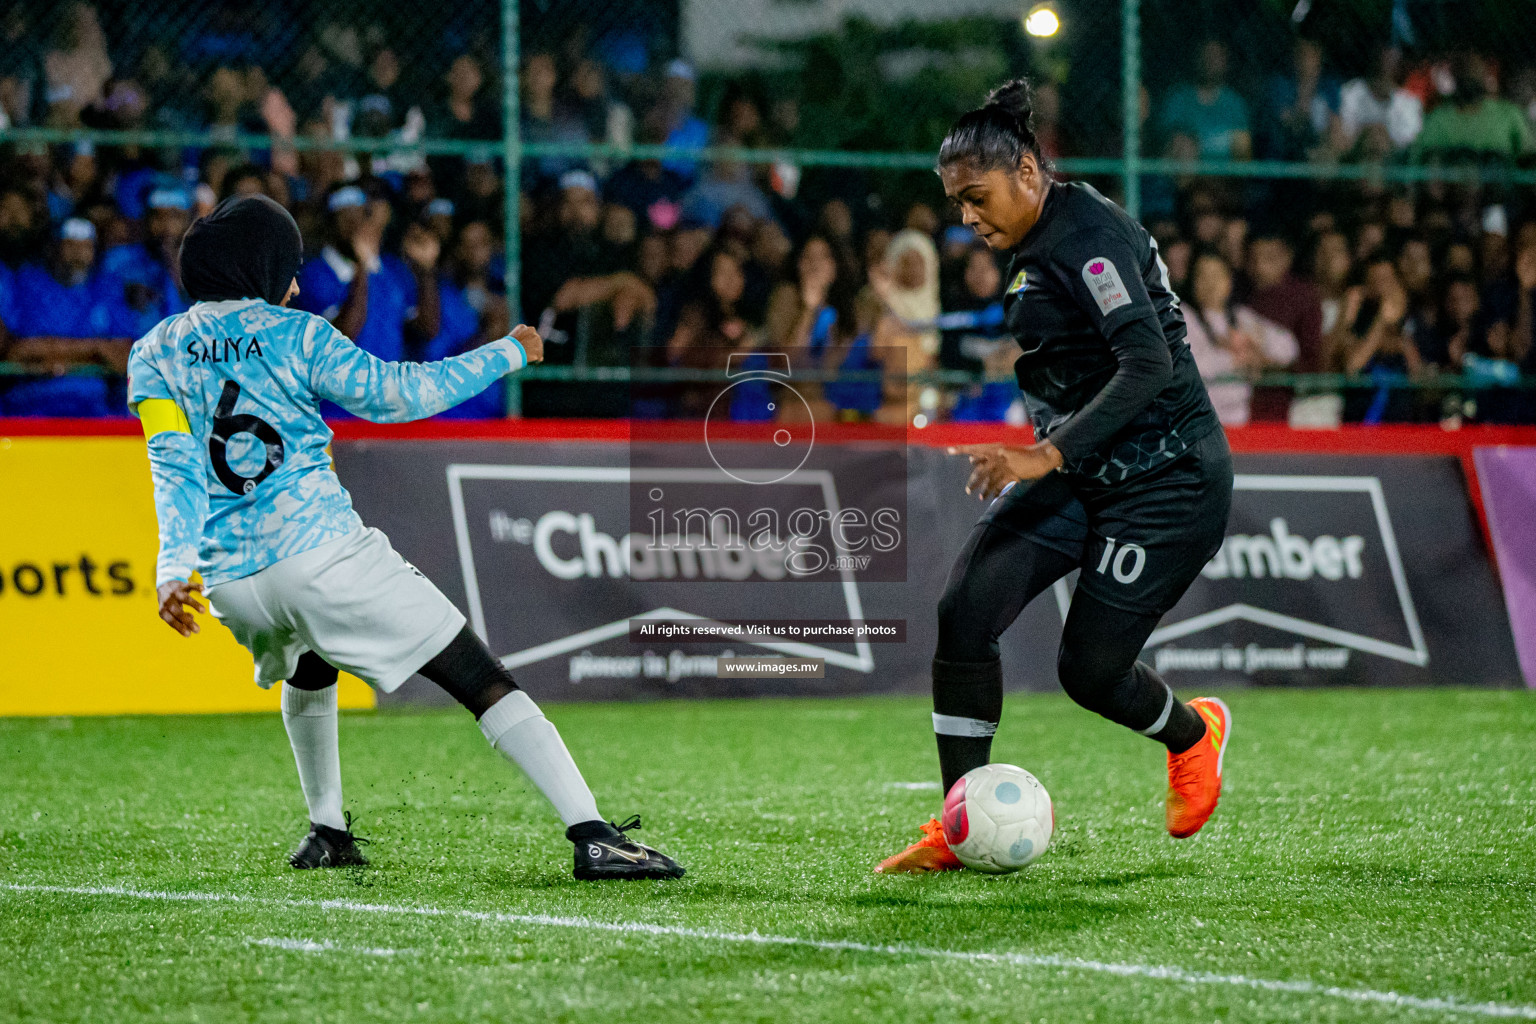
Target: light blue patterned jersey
{"points": [[249, 481]]}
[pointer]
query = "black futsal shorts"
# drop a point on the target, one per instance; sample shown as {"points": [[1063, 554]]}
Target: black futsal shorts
{"points": [[1141, 543]]}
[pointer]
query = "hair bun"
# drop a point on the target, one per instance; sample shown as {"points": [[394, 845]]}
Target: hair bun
{"points": [[1016, 98], [998, 134]]}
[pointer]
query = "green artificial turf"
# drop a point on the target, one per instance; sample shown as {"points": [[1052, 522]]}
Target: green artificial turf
{"points": [[1366, 840]]}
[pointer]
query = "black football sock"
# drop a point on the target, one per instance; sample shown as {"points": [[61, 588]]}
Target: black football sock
{"points": [[967, 706], [597, 828], [1177, 725], [1140, 700], [1098, 668]]}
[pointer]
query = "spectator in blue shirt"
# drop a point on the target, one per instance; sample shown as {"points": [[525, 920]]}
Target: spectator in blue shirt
{"points": [[146, 271], [976, 340], [727, 184], [373, 297], [685, 129], [7, 306], [67, 315], [1209, 111], [472, 312]]}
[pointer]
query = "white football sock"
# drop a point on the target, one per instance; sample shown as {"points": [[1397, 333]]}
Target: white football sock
{"points": [[515, 726], [310, 718]]}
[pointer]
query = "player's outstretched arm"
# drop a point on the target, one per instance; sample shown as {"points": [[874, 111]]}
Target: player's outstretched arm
{"points": [[181, 502], [387, 392], [179, 477], [181, 508]]}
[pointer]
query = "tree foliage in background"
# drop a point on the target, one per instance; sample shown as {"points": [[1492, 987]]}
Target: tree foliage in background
{"points": [[895, 87]]}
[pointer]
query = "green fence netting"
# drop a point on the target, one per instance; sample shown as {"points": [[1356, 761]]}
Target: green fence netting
{"points": [[1262, 101]]}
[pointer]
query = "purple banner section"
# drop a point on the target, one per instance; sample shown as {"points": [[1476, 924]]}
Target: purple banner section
{"points": [[1508, 477]]}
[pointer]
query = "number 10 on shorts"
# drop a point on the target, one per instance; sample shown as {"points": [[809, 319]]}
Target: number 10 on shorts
{"points": [[1126, 564]]}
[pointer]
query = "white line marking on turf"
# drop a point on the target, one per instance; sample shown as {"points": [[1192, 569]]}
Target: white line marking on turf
{"points": [[325, 946], [1442, 1004], [912, 785]]}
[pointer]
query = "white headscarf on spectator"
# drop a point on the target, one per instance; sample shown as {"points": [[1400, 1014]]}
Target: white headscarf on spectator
{"points": [[916, 305], [77, 76]]}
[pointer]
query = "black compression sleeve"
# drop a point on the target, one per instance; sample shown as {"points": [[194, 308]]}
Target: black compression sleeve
{"points": [[313, 673], [1145, 369], [470, 673]]}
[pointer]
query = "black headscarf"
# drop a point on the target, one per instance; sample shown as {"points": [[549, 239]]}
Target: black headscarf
{"points": [[248, 248]]}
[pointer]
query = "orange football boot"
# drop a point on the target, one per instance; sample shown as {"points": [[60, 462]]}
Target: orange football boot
{"points": [[1194, 777], [931, 853]]}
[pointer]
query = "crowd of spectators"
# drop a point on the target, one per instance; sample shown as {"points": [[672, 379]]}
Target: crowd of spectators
{"points": [[1405, 284], [1433, 290], [684, 263], [1427, 110]]}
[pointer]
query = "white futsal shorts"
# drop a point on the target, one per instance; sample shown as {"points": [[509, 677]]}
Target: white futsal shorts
{"points": [[354, 601]]}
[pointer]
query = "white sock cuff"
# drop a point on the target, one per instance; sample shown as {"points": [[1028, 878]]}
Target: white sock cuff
{"points": [[954, 725], [1162, 719], [512, 710], [309, 703]]}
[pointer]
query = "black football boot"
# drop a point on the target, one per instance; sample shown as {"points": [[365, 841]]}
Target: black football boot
{"points": [[327, 847], [604, 851]]}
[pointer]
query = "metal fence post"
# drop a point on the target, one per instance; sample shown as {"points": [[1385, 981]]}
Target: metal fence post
{"points": [[512, 168], [1130, 102]]}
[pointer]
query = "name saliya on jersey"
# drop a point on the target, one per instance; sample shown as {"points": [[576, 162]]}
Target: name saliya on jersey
{"points": [[225, 350]]}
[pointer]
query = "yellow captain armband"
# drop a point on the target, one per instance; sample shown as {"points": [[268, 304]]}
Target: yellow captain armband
{"points": [[158, 415]]}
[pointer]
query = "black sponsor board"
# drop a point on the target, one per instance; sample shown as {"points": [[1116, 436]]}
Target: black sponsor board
{"points": [[1343, 570], [537, 543], [1347, 570]]}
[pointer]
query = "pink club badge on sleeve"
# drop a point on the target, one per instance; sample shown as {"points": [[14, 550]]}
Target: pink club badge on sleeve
{"points": [[1104, 284]]}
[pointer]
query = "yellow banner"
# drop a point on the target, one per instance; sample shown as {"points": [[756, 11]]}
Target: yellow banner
{"points": [[80, 632]]}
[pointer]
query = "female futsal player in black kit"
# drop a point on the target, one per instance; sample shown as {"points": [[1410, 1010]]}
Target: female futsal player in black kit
{"points": [[1129, 480]]}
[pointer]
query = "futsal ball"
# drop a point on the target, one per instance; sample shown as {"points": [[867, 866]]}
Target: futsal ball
{"points": [[998, 818]]}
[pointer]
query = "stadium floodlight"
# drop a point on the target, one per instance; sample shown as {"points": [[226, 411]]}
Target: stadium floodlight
{"points": [[1042, 21]]}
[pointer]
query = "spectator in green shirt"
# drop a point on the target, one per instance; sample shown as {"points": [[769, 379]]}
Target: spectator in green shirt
{"points": [[1209, 111], [1473, 123]]}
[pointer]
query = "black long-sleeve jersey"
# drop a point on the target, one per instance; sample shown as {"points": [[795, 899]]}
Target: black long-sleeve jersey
{"points": [[1106, 373]]}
